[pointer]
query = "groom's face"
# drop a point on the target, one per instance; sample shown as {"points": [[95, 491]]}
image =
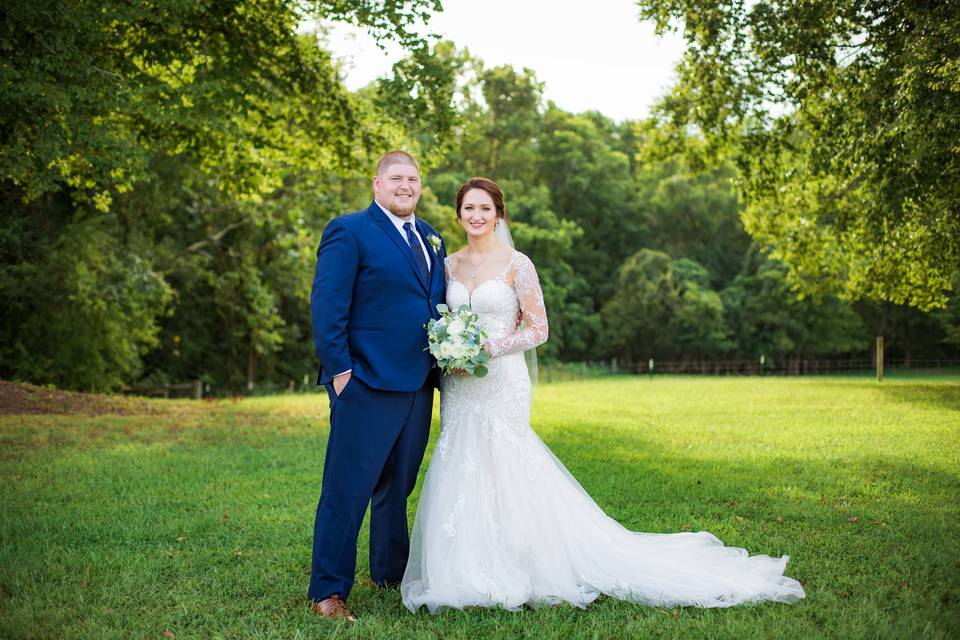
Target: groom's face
{"points": [[398, 189]]}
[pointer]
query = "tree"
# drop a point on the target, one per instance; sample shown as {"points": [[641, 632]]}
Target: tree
{"points": [[157, 163], [422, 93], [590, 184], [79, 307], [842, 118], [93, 90], [767, 318], [949, 318], [690, 209], [697, 326], [664, 308]]}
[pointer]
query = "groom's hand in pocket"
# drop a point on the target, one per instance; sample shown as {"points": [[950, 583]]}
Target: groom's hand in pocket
{"points": [[340, 381]]}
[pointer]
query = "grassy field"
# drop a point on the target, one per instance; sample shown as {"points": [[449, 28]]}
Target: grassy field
{"points": [[195, 520]]}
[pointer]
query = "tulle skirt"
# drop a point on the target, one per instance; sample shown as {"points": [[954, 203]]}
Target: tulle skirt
{"points": [[501, 522]]}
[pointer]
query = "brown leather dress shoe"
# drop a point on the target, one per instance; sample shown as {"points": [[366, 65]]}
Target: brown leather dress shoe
{"points": [[333, 608]]}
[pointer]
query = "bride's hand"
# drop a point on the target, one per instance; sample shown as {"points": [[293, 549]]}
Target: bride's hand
{"points": [[459, 372]]}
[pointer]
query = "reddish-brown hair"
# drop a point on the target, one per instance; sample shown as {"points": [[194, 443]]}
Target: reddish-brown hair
{"points": [[484, 184]]}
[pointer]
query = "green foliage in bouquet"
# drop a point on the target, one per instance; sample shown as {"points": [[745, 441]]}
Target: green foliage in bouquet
{"points": [[456, 341]]}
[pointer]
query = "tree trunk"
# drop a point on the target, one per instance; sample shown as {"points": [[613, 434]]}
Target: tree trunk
{"points": [[251, 367]]}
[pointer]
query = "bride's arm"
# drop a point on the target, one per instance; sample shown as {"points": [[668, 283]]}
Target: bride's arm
{"points": [[530, 296]]}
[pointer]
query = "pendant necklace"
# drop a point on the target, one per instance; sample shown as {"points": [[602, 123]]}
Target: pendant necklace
{"points": [[473, 276]]}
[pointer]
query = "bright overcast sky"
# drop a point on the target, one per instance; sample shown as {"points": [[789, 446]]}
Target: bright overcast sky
{"points": [[595, 57]]}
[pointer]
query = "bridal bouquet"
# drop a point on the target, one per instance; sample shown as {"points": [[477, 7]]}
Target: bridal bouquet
{"points": [[456, 341]]}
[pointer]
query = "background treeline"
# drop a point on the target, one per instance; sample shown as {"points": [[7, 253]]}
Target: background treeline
{"points": [[168, 169]]}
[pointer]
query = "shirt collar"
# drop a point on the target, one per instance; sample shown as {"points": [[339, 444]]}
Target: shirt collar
{"points": [[397, 221]]}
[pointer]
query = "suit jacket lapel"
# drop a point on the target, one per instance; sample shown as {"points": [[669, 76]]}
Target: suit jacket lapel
{"points": [[436, 264], [398, 240]]}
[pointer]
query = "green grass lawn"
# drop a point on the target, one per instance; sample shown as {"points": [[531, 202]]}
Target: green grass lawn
{"points": [[198, 521]]}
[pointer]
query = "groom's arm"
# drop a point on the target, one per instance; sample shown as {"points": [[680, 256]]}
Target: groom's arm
{"points": [[331, 296]]}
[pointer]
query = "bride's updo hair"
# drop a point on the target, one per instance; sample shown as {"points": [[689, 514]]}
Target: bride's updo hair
{"points": [[484, 184]]}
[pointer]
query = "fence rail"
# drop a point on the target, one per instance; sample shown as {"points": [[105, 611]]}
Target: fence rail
{"points": [[785, 367], [557, 372]]}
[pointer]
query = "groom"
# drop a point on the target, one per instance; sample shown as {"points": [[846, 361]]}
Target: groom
{"points": [[378, 280]]}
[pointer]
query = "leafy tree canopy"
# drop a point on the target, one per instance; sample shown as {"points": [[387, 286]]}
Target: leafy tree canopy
{"points": [[842, 116], [92, 90]]}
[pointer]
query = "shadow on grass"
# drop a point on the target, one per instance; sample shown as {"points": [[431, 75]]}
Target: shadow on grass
{"points": [[672, 483], [874, 540], [940, 396]]}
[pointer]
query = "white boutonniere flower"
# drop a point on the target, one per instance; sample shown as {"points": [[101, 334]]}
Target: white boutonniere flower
{"points": [[435, 242]]}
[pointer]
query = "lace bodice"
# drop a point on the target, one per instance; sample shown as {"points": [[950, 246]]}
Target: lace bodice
{"points": [[496, 302]]}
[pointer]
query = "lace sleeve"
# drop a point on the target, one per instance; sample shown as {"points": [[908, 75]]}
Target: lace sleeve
{"points": [[530, 296], [448, 269]]}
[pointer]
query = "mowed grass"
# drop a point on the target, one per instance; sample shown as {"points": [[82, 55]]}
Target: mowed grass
{"points": [[197, 523]]}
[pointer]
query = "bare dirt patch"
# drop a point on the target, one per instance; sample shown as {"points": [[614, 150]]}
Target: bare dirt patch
{"points": [[18, 399]]}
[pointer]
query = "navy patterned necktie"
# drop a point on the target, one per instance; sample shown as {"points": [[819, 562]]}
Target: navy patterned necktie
{"points": [[417, 249]]}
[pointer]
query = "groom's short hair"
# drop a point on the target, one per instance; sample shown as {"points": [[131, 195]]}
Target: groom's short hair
{"points": [[396, 157]]}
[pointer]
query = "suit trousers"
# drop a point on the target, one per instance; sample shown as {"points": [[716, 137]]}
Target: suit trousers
{"points": [[374, 450]]}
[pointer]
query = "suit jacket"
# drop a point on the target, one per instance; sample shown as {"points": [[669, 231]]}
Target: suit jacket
{"points": [[370, 302]]}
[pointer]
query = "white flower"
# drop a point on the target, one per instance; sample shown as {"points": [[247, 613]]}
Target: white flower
{"points": [[435, 241], [456, 327], [460, 346]]}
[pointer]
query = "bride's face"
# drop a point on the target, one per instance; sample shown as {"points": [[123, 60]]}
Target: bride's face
{"points": [[478, 215]]}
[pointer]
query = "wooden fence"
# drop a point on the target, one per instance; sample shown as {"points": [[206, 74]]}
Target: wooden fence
{"points": [[557, 372], [757, 367]]}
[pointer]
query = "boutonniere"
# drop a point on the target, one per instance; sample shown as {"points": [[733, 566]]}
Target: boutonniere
{"points": [[435, 242]]}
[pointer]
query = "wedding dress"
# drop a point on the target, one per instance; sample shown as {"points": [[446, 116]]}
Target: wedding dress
{"points": [[501, 522]]}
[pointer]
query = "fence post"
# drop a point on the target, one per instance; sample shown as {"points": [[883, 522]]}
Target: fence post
{"points": [[613, 365], [197, 390], [879, 358], [650, 366]]}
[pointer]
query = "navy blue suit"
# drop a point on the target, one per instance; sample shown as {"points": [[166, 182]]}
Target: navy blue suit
{"points": [[370, 302]]}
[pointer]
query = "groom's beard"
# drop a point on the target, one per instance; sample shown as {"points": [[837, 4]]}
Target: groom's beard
{"points": [[401, 211]]}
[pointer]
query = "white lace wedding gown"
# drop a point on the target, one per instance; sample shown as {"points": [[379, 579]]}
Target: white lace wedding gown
{"points": [[501, 522]]}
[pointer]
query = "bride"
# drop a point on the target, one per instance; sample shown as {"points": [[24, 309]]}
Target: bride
{"points": [[501, 522]]}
